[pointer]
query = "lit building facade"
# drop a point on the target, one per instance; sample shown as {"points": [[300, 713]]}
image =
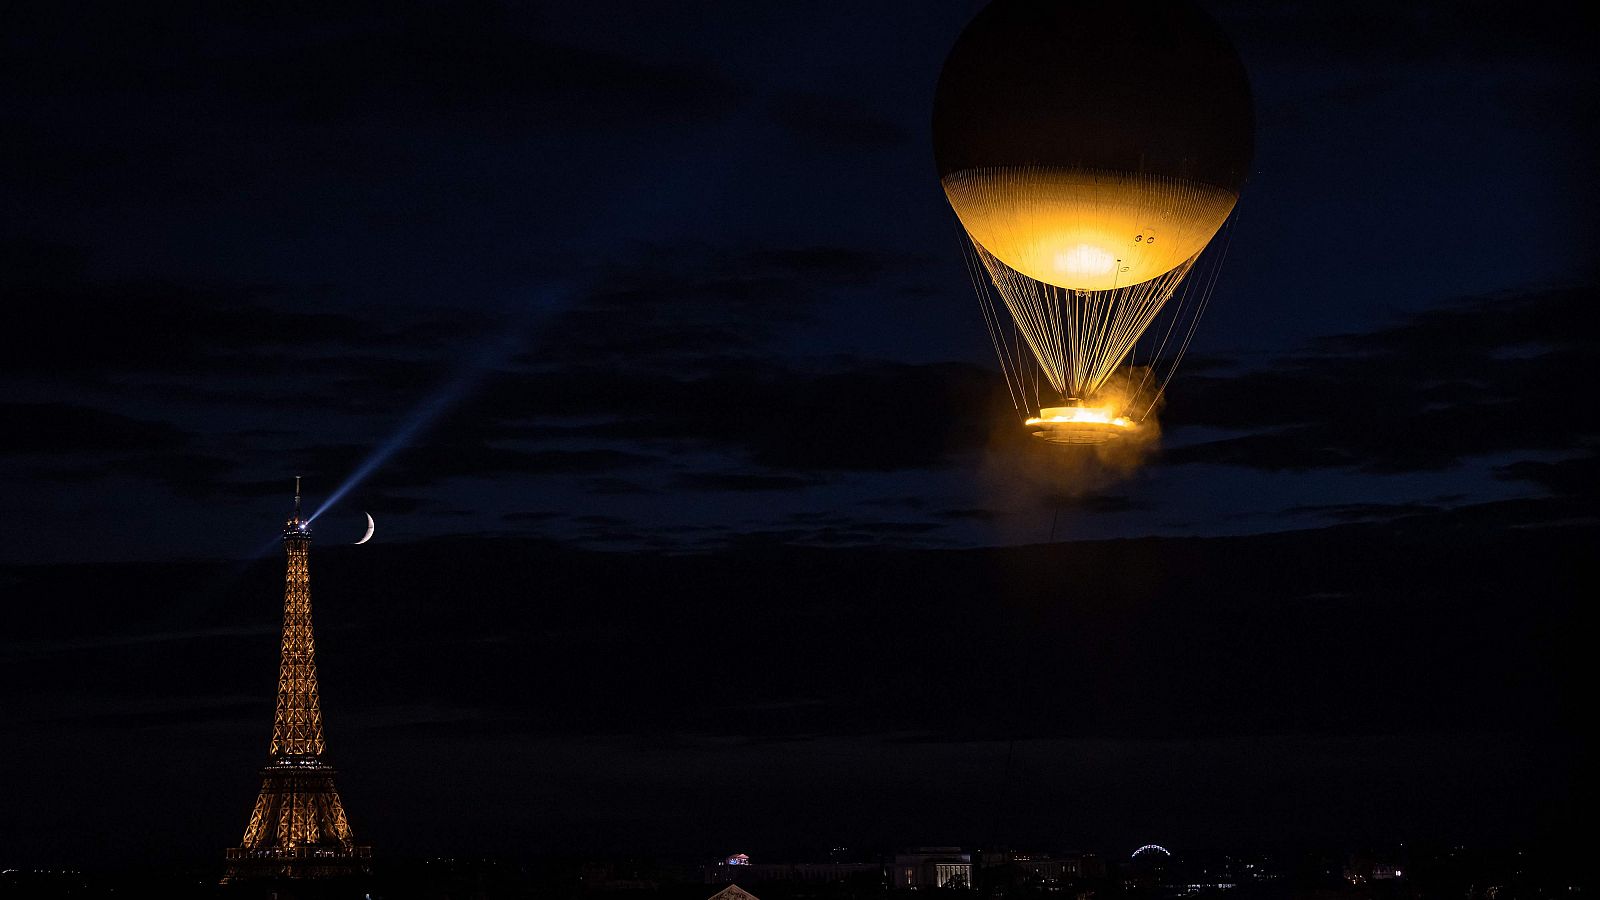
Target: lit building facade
{"points": [[931, 867]]}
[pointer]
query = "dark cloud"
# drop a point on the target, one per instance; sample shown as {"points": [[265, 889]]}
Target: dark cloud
{"points": [[891, 528], [835, 120], [741, 481], [822, 265], [485, 63], [430, 460], [1425, 394], [530, 516], [220, 343], [677, 306], [829, 529], [615, 487], [856, 419], [1360, 34], [1576, 477], [1359, 512], [1498, 374], [905, 503], [678, 350], [847, 417], [191, 475], [381, 503], [61, 428], [972, 514], [426, 462], [856, 535], [1093, 503]]}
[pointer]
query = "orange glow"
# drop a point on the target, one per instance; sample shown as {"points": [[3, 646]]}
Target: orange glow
{"points": [[1102, 415], [1083, 229], [1080, 424]]}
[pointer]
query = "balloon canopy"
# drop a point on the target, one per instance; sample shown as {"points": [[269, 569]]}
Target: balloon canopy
{"points": [[1092, 144], [1152, 87], [1086, 229], [1091, 149]]}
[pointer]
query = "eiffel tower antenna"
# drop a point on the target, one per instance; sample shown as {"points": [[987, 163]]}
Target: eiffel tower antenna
{"points": [[298, 827]]}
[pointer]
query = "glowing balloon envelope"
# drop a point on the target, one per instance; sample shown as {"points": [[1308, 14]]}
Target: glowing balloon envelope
{"points": [[1091, 150]]}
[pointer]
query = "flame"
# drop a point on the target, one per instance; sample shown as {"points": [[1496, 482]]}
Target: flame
{"points": [[1083, 415]]}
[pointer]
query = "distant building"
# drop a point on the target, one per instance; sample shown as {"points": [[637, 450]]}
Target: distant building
{"points": [[932, 867], [740, 867], [1044, 870], [1360, 869], [622, 875]]}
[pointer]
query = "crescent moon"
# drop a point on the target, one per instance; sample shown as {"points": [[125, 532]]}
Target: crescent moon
{"points": [[371, 527]]}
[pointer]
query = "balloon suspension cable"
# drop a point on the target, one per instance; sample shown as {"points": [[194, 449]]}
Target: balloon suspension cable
{"points": [[1009, 352], [1076, 340], [1206, 294]]}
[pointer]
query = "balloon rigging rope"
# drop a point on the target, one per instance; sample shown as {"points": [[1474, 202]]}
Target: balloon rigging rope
{"points": [[1200, 310], [1079, 338], [991, 321], [1186, 291]]}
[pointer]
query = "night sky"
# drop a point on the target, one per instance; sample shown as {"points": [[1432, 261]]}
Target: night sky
{"points": [[707, 526]]}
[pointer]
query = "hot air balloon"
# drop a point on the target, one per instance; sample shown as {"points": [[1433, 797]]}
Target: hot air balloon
{"points": [[1092, 150]]}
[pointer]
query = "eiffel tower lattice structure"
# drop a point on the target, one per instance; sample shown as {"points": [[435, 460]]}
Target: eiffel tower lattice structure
{"points": [[298, 827]]}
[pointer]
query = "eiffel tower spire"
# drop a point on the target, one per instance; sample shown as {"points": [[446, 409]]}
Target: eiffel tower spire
{"points": [[298, 827]]}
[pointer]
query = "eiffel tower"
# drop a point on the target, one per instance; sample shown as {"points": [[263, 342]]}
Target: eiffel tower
{"points": [[298, 827]]}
